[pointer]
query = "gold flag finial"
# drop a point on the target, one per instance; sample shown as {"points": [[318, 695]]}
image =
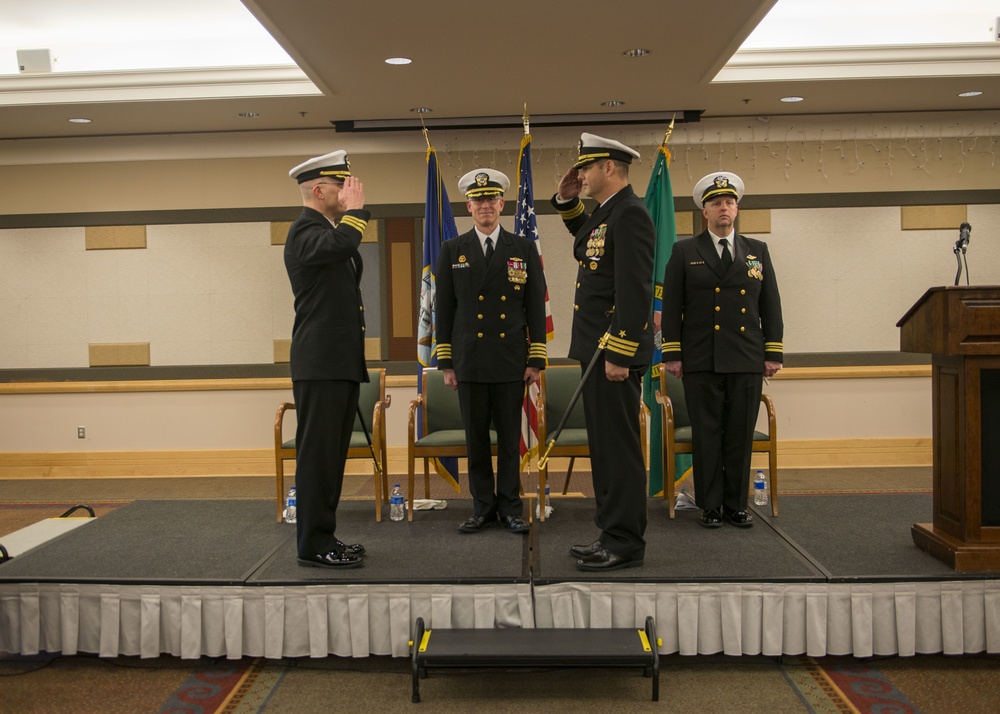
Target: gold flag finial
{"points": [[524, 118], [670, 130], [427, 138]]}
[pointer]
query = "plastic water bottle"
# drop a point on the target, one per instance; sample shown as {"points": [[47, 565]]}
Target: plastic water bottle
{"points": [[759, 489], [396, 504], [548, 506], [290, 509]]}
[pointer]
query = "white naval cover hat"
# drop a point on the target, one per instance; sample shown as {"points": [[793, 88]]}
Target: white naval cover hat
{"points": [[594, 148], [483, 182], [720, 183], [335, 165]]}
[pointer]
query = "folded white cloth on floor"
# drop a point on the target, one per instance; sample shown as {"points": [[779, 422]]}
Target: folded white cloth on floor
{"points": [[428, 504], [684, 500]]}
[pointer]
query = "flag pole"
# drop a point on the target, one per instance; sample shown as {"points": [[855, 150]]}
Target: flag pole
{"points": [[524, 119]]}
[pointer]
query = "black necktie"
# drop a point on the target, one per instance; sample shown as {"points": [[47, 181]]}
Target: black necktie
{"points": [[727, 257], [489, 249]]}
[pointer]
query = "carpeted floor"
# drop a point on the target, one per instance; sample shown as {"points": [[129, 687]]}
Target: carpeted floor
{"points": [[53, 684]]}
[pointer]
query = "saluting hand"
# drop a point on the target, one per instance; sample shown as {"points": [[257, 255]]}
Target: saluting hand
{"points": [[570, 185], [352, 194]]}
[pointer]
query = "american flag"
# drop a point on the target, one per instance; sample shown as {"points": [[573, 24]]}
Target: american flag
{"points": [[525, 224]]}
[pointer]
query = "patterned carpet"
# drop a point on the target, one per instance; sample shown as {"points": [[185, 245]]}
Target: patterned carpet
{"points": [[54, 684]]}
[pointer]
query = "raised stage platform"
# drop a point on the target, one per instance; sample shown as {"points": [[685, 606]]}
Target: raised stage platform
{"points": [[834, 574]]}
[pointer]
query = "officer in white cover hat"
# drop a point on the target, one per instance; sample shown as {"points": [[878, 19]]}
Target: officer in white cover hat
{"points": [[327, 353], [722, 332], [490, 307], [614, 294]]}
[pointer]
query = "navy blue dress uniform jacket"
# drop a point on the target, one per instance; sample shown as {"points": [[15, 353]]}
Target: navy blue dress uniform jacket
{"points": [[715, 321], [614, 280], [490, 319], [324, 268]]}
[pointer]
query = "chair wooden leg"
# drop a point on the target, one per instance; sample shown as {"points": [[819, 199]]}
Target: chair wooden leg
{"points": [[378, 495], [668, 483], [385, 475], [543, 477], [409, 485], [772, 477], [279, 471], [427, 478], [569, 474]]}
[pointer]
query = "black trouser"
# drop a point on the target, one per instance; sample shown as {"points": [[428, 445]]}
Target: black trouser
{"points": [[619, 471], [723, 410], [498, 404], [326, 410]]}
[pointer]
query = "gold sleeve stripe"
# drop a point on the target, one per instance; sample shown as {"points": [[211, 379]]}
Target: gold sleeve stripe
{"points": [[623, 343], [618, 349], [620, 346], [773, 347], [537, 350], [671, 347], [443, 351], [355, 223], [570, 213]]}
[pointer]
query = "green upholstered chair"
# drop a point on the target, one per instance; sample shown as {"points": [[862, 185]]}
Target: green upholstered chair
{"points": [[440, 416], [372, 402], [677, 437], [555, 391]]}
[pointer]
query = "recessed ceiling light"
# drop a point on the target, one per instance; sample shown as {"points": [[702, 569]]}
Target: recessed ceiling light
{"points": [[79, 120], [248, 115], [969, 94], [421, 110], [613, 103], [791, 99], [398, 60], [637, 52]]}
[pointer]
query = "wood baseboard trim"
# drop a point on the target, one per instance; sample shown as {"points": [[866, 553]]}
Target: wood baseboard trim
{"points": [[811, 453]]}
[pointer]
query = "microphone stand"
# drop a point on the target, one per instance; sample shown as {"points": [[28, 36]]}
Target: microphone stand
{"points": [[960, 247]]}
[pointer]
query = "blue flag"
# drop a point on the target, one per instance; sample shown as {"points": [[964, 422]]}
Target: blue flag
{"points": [[439, 226]]}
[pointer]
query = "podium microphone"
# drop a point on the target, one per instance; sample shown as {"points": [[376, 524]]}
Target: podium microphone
{"points": [[960, 246], [963, 233]]}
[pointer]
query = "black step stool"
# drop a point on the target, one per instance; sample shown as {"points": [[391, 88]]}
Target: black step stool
{"points": [[517, 647]]}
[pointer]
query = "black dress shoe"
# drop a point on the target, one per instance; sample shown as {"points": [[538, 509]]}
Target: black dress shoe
{"points": [[476, 524], [515, 524], [603, 560], [740, 519], [711, 518], [350, 548], [333, 559], [585, 551]]}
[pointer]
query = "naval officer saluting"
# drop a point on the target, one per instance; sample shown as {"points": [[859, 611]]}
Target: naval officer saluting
{"points": [[614, 296], [328, 354]]}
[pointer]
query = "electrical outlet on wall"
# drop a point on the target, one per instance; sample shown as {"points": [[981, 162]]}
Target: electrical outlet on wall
{"points": [[81, 432]]}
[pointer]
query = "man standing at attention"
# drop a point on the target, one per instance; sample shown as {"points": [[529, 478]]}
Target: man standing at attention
{"points": [[722, 333], [614, 294], [490, 306], [327, 355]]}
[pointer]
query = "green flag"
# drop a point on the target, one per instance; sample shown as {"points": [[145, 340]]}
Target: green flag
{"points": [[660, 203]]}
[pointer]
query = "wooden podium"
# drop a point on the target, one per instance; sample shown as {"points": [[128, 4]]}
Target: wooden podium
{"points": [[960, 327]]}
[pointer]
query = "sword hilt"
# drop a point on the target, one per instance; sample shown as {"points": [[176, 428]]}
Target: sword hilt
{"points": [[545, 457]]}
